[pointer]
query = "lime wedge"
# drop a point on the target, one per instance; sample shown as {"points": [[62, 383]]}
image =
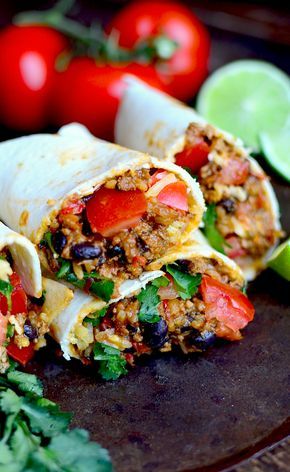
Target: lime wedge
{"points": [[276, 149], [245, 98], [280, 260]]}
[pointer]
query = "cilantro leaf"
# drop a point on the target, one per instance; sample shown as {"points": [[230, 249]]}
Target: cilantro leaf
{"points": [[64, 270], [10, 402], [6, 288], [10, 330], [47, 241], [27, 383], [112, 365], [149, 301], [95, 318], [74, 452], [185, 284], [160, 282], [213, 235], [103, 289], [45, 417]]}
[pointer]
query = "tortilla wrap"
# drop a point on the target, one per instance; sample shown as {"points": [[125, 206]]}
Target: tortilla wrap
{"points": [[151, 121], [39, 172], [25, 258], [67, 308]]}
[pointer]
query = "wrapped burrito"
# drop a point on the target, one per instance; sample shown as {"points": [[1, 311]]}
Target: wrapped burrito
{"points": [[196, 299], [242, 218], [23, 321], [98, 213]]}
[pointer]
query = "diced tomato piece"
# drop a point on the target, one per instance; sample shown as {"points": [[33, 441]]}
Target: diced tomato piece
{"points": [[235, 250], [74, 207], [235, 173], [157, 176], [109, 210], [23, 355], [140, 348], [18, 297], [194, 157], [227, 304], [3, 328], [139, 261], [175, 196]]}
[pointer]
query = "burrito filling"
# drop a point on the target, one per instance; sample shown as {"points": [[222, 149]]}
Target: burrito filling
{"points": [[114, 233], [191, 306], [239, 220], [22, 322]]}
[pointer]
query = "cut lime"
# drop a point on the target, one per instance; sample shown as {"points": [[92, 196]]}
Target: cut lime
{"points": [[245, 98], [276, 149], [280, 260]]}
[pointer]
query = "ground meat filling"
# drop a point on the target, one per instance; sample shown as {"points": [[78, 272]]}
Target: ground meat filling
{"points": [[182, 322], [122, 255], [244, 215]]}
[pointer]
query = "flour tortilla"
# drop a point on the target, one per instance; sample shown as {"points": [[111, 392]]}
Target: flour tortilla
{"points": [[25, 258], [150, 121], [40, 171], [66, 308]]}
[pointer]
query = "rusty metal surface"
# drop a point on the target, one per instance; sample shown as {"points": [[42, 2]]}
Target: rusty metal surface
{"points": [[175, 413]]}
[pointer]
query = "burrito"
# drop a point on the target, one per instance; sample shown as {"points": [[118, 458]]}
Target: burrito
{"points": [[23, 321], [98, 213], [242, 218], [196, 299]]}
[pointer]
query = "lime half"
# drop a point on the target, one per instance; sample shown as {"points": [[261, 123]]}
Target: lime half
{"points": [[245, 98], [276, 149], [280, 260]]}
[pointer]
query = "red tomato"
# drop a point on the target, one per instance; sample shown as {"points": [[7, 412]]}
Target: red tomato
{"points": [[110, 211], [194, 156], [27, 73], [18, 297], [73, 207], [89, 93], [23, 355], [175, 196], [227, 304], [3, 328], [235, 173], [186, 70]]}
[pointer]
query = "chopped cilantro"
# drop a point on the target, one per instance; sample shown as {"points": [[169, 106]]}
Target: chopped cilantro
{"points": [[112, 365], [149, 301], [6, 288], [95, 318], [160, 282], [34, 434], [10, 330], [64, 270], [213, 235], [185, 284], [47, 241], [103, 289]]}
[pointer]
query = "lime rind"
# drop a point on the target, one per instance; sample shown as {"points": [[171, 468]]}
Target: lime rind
{"points": [[280, 260], [245, 98], [276, 150]]}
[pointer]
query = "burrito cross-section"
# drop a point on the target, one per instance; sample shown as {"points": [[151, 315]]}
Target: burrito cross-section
{"points": [[23, 320], [242, 207], [98, 213]]}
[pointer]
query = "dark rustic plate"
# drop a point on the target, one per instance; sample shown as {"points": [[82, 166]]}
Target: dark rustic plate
{"points": [[204, 412]]}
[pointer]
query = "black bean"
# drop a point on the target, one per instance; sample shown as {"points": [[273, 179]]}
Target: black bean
{"points": [[86, 227], [38, 301], [184, 265], [116, 251], [155, 334], [83, 251], [228, 204], [142, 245], [203, 340], [59, 241], [30, 331]]}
